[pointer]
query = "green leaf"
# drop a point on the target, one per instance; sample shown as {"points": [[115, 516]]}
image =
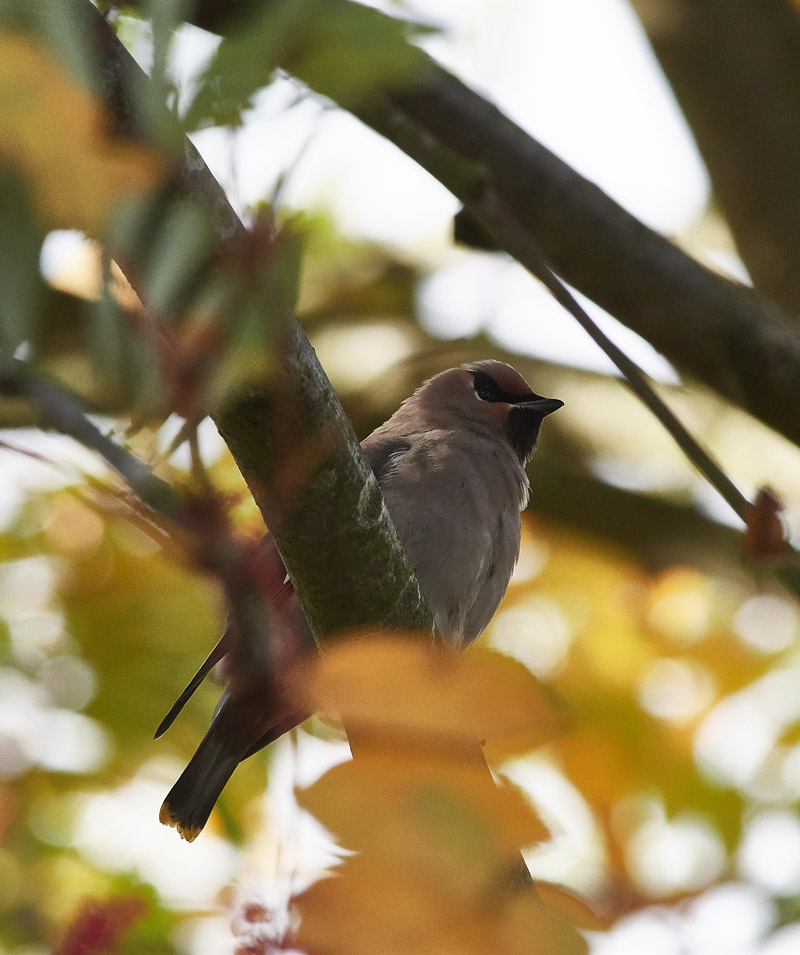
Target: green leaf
{"points": [[342, 50], [244, 64]]}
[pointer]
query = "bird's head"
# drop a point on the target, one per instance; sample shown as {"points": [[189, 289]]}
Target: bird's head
{"points": [[492, 397]]}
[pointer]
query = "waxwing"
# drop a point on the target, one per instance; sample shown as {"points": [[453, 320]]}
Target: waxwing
{"points": [[451, 466]]}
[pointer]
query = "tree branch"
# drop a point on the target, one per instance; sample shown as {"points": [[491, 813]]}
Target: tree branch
{"points": [[481, 195], [202, 521], [724, 334], [735, 68], [720, 332], [336, 538]]}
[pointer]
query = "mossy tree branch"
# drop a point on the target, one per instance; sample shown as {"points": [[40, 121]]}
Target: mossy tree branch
{"points": [[336, 537], [332, 526]]}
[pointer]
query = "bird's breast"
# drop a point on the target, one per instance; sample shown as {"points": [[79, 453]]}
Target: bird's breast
{"points": [[457, 512]]}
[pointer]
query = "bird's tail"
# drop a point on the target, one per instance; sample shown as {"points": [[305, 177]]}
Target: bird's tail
{"points": [[284, 725], [190, 801]]}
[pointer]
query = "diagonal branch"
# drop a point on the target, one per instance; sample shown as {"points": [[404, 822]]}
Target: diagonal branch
{"points": [[482, 197], [720, 332], [469, 182], [373, 581], [714, 329], [735, 68]]}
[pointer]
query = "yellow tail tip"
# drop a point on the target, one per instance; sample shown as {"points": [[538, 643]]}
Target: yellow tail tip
{"points": [[166, 818]]}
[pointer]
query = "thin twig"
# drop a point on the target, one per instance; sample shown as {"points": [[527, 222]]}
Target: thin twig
{"points": [[202, 519], [531, 257], [499, 220], [65, 412], [472, 183]]}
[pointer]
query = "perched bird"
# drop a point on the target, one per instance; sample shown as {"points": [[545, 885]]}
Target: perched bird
{"points": [[451, 466]]}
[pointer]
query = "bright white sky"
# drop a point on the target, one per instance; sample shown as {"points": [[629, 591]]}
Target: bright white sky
{"points": [[577, 74]]}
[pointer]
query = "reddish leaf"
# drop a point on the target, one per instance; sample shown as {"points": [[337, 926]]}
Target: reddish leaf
{"points": [[99, 926]]}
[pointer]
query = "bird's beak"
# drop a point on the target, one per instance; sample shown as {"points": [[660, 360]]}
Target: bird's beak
{"points": [[542, 406]]}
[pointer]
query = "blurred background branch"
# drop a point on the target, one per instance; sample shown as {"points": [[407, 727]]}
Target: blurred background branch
{"points": [[716, 330], [733, 67], [200, 519]]}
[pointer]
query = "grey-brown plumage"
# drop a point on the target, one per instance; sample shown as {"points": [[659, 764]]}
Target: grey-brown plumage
{"points": [[451, 466]]}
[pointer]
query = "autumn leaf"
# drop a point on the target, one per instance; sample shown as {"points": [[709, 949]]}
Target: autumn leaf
{"points": [[436, 835], [364, 909], [571, 905], [56, 137], [100, 926], [425, 815], [406, 689], [531, 925], [765, 534]]}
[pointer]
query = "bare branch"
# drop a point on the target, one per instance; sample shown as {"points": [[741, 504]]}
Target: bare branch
{"points": [[735, 68], [482, 197], [720, 332], [723, 334], [57, 408]]}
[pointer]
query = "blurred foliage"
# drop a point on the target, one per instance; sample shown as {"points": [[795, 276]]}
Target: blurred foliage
{"points": [[635, 670], [435, 836], [78, 184], [643, 644], [349, 51]]}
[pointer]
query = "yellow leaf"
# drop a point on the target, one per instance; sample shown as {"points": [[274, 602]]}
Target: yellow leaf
{"points": [[363, 910], [532, 926], [575, 908], [426, 816], [412, 691], [55, 135], [599, 766]]}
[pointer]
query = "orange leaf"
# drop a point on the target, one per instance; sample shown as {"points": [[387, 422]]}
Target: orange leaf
{"points": [[363, 910], [445, 819], [412, 691], [575, 908], [530, 926], [54, 134]]}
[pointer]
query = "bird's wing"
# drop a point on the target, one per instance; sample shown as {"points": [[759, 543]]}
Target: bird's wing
{"points": [[209, 663], [383, 451], [278, 591]]}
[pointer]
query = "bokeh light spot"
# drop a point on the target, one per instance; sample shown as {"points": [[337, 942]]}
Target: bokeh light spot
{"points": [[675, 690], [665, 857], [74, 528], [536, 632], [766, 623], [770, 852], [681, 605]]}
